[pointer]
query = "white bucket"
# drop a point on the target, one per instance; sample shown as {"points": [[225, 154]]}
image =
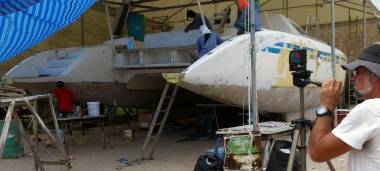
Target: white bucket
{"points": [[128, 133], [93, 108]]}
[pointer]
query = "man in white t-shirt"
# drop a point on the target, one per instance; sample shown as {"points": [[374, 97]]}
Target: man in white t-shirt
{"points": [[359, 132]]}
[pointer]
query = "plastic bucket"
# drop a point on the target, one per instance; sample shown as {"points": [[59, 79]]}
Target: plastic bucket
{"points": [[341, 114], [93, 108], [14, 147]]}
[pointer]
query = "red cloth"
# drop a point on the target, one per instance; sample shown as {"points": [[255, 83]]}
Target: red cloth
{"points": [[64, 98], [242, 4]]}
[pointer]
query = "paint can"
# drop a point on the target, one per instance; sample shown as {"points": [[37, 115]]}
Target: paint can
{"points": [[13, 147], [242, 150], [128, 133]]}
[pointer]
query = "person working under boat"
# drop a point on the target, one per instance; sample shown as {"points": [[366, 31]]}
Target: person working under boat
{"points": [[64, 99], [243, 13], [207, 41], [359, 131], [197, 21]]}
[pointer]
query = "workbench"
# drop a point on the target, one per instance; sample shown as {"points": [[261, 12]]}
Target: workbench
{"points": [[67, 123]]}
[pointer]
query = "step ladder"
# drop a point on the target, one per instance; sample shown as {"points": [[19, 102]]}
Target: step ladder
{"points": [[309, 27], [353, 29], [159, 119]]}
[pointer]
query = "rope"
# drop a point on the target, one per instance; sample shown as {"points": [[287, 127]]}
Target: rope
{"points": [[215, 115], [201, 11]]}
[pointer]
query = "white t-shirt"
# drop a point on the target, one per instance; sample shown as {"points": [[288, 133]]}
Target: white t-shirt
{"points": [[361, 130]]}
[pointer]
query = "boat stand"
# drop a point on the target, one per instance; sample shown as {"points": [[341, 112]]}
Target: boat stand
{"points": [[25, 101]]}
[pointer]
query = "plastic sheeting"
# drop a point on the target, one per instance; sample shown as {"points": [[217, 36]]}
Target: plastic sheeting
{"points": [[29, 22]]}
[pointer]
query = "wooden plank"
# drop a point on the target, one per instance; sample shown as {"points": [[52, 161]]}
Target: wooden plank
{"points": [[44, 127], [35, 133], [104, 133], [23, 98], [59, 162], [75, 118], [28, 141], [7, 123], [153, 66], [56, 124]]}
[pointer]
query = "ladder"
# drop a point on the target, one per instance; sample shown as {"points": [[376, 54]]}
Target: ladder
{"points": [[308, 27], [121, 19], [159, 119], [353, 28]]}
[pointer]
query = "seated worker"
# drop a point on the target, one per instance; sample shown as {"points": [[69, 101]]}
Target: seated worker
{"points": [[64, 99], [197, 21], [242, 17], [207, 41]]}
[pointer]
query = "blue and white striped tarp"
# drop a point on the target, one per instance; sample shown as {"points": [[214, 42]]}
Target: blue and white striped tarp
{"points": [[11, 6], [22, 29]]}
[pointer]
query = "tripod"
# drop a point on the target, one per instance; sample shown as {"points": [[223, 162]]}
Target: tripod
{"points": [[301, 78], [300, 130]]}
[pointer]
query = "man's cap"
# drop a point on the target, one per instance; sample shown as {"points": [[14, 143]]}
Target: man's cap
{"points": [[369, 58], [60, 84]]}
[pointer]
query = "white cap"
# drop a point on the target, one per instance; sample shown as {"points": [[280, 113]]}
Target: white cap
{"points": [[204, 29]]}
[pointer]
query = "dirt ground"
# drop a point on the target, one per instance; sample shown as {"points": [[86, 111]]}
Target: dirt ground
{"points": [[169, 155]]}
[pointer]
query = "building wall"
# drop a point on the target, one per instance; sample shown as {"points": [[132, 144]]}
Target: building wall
{"points": [[350, 43]]}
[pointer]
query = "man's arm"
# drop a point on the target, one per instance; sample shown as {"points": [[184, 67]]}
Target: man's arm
{"points": [[323, 145]]}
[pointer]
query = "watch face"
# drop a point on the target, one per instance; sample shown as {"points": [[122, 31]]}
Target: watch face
{"points": [[321, 110]]}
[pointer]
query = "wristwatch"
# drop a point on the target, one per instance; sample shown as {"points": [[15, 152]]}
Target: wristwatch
{"points": [[323, 111]]}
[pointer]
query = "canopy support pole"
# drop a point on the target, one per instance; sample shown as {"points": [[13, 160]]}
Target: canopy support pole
{"points": [[333, 38], [253, 94]]}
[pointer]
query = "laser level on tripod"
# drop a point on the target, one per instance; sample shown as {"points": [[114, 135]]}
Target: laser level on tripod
{"points": [[301, 78]]}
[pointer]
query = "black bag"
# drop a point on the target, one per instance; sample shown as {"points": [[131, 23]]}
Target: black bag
{"points": [[278, 160], [209, 163]]}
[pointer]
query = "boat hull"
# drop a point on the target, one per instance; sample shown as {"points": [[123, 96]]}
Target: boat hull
{"points": [[224, 73]]}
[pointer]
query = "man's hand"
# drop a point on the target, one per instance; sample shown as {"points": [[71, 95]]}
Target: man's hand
{"points": [[324, 145], [330, 94]]}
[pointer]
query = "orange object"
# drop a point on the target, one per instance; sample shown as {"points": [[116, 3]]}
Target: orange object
{"points": [[242, 4]]}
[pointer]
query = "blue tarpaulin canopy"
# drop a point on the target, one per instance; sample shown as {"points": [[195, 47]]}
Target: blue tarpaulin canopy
{"points": [[11, 6], [24, 23]]}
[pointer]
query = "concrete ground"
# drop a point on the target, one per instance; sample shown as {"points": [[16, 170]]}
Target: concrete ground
{"points": [[169, 155]]}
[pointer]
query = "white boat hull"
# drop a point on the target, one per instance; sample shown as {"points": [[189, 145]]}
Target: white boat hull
{"points": [[224, 73]]}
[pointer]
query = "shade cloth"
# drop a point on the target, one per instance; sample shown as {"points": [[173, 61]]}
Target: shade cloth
{"points": [[24, 23]]}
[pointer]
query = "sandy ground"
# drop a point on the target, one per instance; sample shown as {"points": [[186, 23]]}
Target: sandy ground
{"points": [[169, 155]]}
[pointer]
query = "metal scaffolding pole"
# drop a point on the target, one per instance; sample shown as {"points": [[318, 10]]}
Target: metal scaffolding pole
{"points": [[333, 38], [365, 23], [253, 110], [82, 29]]}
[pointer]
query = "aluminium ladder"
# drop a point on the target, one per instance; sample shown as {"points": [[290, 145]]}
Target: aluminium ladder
{"points": [[151, 140]]}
